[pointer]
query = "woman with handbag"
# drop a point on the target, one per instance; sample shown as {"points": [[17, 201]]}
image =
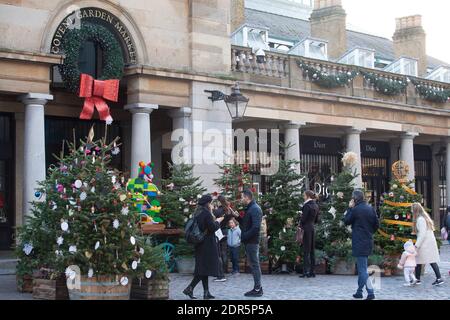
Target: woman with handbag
{"points": [[308, 218], [206, 252]]}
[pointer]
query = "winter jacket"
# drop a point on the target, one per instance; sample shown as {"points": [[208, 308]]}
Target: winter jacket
{"points": [[408, 258], [234, 237], [364, 222], [427, 250], [207, 252], [251, 224]]}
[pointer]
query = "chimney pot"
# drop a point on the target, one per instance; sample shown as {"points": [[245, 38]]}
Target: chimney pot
{"points": [[409, 22], [320, 4]]}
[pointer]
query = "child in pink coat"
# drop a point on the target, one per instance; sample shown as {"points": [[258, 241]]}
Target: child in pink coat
{"points": [[408, 263]]}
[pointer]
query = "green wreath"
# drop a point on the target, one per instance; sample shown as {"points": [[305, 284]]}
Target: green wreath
{"points": [[113, 62]]}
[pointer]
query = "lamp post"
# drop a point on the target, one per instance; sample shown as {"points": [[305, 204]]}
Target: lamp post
{"points": [[236, 102]]}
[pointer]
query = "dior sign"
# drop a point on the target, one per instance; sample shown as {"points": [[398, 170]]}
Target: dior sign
{"points": [[95, 16]]}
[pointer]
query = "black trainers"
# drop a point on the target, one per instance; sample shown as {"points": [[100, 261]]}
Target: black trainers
{"points": [[370, 297], [438, 282], [358, 296], [255, 293]]}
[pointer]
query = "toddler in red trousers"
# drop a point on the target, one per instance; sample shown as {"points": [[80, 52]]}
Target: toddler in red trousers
{"points": [[408, 263]]}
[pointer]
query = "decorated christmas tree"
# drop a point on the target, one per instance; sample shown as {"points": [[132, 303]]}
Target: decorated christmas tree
{"points": [[145, 194], [332, 235], [281, 205], [234, 179], [396, 217], [180, 194]]}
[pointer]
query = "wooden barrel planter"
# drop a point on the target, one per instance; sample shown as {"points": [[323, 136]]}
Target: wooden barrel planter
{"points": [[24, 283], [150, 289], [343, 267], [44, 289], [100, 288]]}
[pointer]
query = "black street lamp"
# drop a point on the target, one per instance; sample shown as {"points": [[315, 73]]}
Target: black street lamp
{"points": [[236, 102]]}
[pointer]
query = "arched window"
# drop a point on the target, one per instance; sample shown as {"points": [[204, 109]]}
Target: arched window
{"points": [[91, 59]]}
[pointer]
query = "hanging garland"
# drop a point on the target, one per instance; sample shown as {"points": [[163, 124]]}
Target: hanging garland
{"points": [[113, 62], [325, 80], [385, 86], [431, 94]]}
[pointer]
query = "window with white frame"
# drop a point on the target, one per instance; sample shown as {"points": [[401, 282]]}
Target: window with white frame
{"points": [[359, 57], [311, 48], [280, 45], [406, 66], [441, 73], [253, 37]]}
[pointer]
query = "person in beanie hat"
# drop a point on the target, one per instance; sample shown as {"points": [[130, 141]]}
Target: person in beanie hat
{"points": [[408, 263], [206, 252]]}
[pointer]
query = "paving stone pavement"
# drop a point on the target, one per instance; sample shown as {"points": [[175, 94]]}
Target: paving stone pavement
{"points": [[291, 287]]}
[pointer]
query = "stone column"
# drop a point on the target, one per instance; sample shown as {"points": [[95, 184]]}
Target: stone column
{"points": [[407, 153], [292, 138], [140, 134], [34, 146], [354, 145], [181, 135]]}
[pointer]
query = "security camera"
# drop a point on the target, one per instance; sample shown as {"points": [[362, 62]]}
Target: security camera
{"points": [[260, 56]]}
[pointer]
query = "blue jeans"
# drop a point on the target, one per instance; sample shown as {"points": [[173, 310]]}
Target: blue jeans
{"points": [[252, 251], [234, 255], [363, 276]]}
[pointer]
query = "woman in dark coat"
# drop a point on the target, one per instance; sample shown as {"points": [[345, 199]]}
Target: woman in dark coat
{"points": [[309, 217], [206, 253]]}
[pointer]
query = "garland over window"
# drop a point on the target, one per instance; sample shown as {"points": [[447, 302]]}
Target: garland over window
{"points": [[325, 80], [385, 86], [113, 62], [432, 94]]}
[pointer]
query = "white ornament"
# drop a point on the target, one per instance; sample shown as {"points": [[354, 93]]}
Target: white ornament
{"points": [[141, 251], [64, 226], [27, 248], [72, 202], [73, 249], [78, 184], [83, 196], [113, 179], [116, 224], [134, 265], [199, 196], [181, 200], [132, 240], [58, 253], [186, 210], [71, 212], [71, 274], [54, 206], [90, 273], [283, 248], [125, 211], [93, 189], [332, 211], [97, 245], [60, 241], [124, 281], [148, 274]]}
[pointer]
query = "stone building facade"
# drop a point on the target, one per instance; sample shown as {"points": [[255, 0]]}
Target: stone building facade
{"points": [[174, 50]]}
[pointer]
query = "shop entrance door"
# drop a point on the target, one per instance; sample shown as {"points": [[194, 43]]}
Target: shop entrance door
{"points": [[375, 179], [7, 215]]}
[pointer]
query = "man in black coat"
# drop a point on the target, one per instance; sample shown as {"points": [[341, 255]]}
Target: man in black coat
{"points": [[309, 217], [364, 222], [251, 226]]}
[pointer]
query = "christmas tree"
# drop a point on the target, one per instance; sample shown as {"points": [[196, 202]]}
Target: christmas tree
{"points": [[396, 218], [332, 235], [145, 194], [180, 194], [234, 179], [281, 205]]}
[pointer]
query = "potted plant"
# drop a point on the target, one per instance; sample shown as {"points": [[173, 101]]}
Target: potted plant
{"points": [[321, 262], [151, 281], [340, 258], [184, 257], [49, 284], [283, 251]]}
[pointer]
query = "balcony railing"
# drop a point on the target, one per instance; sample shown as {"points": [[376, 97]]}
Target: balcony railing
{"points": [[283, 70]]}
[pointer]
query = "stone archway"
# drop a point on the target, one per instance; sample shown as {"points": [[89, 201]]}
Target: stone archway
{"points": [[105, 12]]}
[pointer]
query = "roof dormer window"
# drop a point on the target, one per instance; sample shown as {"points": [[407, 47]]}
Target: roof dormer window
{"points": [[441, 73], [404, 65], [311, 48], [359, 57], [253, 37]]}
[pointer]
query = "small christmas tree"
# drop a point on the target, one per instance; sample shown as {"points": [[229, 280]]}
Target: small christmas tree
{"points": [[234, 179], [396, 217], [281, 205], [180, 194], [333, 237]]}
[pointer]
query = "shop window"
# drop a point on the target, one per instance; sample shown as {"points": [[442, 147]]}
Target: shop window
{"points": [[91, 59]]}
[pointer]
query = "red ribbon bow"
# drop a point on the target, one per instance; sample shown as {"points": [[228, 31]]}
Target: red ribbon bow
{"points": [[94, 92]]}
